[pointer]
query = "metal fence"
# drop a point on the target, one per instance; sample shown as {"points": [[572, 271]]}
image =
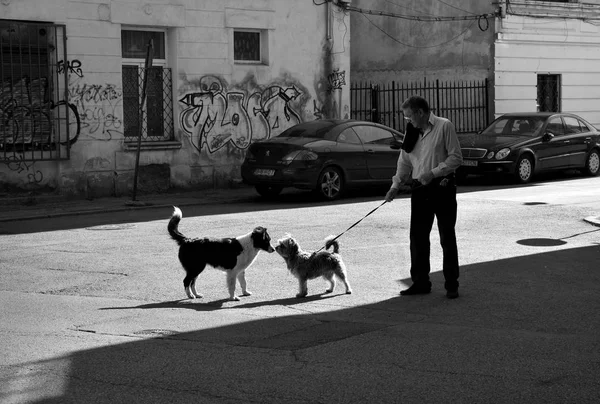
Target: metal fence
{"points": [[465, 103]]}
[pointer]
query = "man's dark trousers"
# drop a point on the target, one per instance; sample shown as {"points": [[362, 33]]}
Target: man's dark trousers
{"points": [[437, 199]]}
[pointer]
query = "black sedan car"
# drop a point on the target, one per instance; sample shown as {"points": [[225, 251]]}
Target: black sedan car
{"points": [[524, 144], [327, 156]]}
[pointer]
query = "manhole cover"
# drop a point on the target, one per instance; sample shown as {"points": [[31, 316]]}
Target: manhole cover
{"points": [[113, 227], [534, 203]]}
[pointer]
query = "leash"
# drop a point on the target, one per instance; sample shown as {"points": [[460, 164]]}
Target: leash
{"points": [[342, 233], [339, 235]]}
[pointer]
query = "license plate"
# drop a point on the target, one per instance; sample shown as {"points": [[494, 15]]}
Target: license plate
{"points": [[264, 172], [470, 163]]}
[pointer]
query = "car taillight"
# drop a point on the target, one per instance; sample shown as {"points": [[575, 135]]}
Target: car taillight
{"points": [[299, 155], [250, 155]]}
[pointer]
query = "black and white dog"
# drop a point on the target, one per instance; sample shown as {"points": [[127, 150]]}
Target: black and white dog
{"points": [[232, 255]]}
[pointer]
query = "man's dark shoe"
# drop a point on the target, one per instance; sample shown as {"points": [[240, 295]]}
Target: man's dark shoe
{"points": [[452, 294], [416, 290]]}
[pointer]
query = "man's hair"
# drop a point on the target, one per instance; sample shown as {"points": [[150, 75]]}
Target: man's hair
{"points": [[415, 103]]}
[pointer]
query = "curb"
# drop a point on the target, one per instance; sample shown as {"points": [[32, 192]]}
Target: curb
{"points": [[125, 206]]}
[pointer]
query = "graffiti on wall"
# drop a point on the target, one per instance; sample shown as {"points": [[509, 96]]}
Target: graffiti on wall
{"points": [[336, 79], [17, 164], [72, 66], [215, 116], [96, 105]]}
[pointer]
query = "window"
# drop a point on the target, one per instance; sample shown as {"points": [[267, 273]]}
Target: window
{"points": [[374, 135], [36, 122], [548, 92], [348, 136], [574, 125], [155, 121], [555, 126], [250, 46]]}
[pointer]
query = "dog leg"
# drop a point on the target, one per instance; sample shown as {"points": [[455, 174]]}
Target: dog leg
{"points": [[331, 280], [303, 288], [193, 288], [189, 285], [342, 275], [231, 286], [242, 279]]}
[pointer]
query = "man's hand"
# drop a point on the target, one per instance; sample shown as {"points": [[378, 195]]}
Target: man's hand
{"points": [[426, 178], [391, 194]]}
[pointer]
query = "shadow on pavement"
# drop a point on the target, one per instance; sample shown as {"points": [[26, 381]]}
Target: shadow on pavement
{"points": [[525, 329]]}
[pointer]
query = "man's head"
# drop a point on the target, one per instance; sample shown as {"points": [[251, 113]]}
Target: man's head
{"points": [[416, 110]]}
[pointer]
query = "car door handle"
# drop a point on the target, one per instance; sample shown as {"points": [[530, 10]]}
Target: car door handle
{"points": [[566, 141], [371, 151]]}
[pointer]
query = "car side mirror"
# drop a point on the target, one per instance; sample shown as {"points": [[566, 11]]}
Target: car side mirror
{"points": [[547, 137], [396, 145]]}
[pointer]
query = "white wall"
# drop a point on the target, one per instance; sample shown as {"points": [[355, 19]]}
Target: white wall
{"points": [[526, 47]]}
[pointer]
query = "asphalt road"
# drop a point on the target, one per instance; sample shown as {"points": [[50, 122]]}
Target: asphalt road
{"points": [[94, 308]]}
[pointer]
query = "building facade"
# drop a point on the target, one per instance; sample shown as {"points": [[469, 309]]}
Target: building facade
{"points": [[95, 91], [422, 39], [547, 57]]}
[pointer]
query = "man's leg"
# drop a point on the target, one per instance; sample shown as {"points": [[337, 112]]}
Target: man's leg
{"points": [[446, 219], [421, 222]]}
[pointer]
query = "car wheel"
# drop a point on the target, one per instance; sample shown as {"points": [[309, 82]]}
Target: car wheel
{"points": [[268, 191], [592, 164], [331, 184], [524, 170]]}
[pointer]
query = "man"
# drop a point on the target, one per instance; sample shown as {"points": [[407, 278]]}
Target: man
{"points": [[430, 154]]}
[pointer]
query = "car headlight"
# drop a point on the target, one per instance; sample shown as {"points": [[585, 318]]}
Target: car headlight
{"points": [[299, 155], [502, 154], [490, 155]]}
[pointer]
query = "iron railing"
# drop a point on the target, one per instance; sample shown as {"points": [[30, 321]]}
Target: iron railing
{"points": [[465, 103], [157, 118], [36, 120]]}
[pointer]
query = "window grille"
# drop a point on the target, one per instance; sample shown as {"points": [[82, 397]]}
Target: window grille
{"points": [[156, 117], [548, 92], [36, 120], [246, 46]]}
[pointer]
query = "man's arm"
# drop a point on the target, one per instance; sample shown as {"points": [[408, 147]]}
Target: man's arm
{"points": [[454, 159], [403, 170]]}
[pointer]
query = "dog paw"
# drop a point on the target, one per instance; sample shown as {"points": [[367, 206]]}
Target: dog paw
{"points": [[247, 293], [300, 295], [329, 291], [349, 292], [234, 299]]}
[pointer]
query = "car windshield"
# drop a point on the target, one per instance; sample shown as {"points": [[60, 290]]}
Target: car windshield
{"points": [[512, 125], [316, 129]]}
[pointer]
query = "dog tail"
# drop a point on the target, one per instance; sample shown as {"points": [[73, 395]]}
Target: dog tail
{"points": [[172, 227], [330, 241]]}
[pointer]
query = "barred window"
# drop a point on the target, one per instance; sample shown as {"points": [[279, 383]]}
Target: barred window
{"points": [[247, 46], [155, 120]]}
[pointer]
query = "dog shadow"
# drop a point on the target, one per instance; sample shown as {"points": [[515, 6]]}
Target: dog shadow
{"points": [[192, 304], [288, 301]]}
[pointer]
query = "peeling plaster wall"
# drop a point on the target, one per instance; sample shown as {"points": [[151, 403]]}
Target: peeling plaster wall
{"points": [[408, 50], [219, 107]]}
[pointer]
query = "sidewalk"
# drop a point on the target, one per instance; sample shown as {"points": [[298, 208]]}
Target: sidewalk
{"points": [[28, 207]]}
